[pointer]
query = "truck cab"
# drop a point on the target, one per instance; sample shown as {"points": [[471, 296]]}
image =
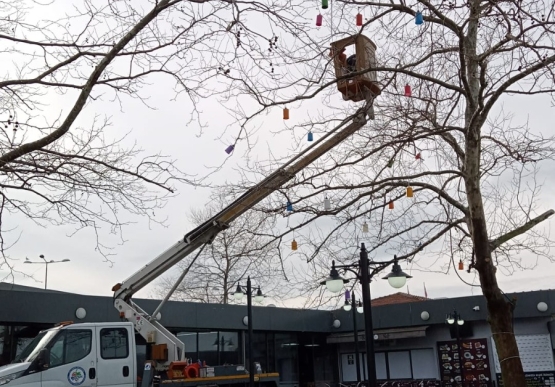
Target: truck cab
{"points": [[99, 355]]}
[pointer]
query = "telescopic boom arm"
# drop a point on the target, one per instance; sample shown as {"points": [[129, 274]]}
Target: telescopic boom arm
{"points": [[206, 232]]}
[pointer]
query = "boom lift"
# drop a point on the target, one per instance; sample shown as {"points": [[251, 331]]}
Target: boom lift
{"points": [[167, 348]]}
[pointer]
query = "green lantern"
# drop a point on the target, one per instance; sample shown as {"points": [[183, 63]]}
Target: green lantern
{"points": [[324, 4]]}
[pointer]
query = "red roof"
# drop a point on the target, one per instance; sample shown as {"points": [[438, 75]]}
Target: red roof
{"points": [[397, 298]]}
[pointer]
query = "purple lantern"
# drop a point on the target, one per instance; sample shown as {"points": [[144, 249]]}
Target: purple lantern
{"points": [[229, 149]]}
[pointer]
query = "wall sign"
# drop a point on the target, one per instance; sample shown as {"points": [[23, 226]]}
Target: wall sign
{"points": [[535, 379], [474, 362]]}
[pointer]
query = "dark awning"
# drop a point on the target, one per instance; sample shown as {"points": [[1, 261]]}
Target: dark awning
{"points": [[380, 334]]}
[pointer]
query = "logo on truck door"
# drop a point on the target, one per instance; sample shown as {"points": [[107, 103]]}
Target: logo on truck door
{"points": [[76, 376]]}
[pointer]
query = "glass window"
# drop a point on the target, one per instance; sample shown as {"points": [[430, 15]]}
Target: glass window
{"points": [[399, 365], [208, 343], [70, 346], [424, 364], [381, 366], [228, 348], [114, 343], [287, 356], [190, 341]]}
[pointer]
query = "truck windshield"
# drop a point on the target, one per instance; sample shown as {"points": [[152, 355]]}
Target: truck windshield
{"points": [[32, 350]]}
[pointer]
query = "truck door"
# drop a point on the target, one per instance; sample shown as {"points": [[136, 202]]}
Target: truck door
{"points": [[72, 359], [115, 356]]}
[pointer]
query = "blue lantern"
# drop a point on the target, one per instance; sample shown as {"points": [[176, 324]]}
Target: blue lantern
{"points": [[289, 207], [310, 136], [419, 19]]}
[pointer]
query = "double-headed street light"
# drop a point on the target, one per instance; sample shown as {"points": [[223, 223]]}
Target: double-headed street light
{"points": [[456, 320], [259, 297], [46, 263], [396, 278]]}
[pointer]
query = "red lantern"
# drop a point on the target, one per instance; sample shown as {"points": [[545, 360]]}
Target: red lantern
{"points": [[391, 205], [461, 265], [418, 156], [408, 92], [359, 20], [285, 114], [319, 19]]}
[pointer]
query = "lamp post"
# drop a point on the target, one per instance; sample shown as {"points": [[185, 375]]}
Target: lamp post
{"points": [[352, 305], [456, 320], [259, 297], [46, 263], [396, 278]]}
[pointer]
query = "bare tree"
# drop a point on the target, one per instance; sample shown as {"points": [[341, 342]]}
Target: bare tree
{"points": [[441, 138], [58, 165], [240, 251]]}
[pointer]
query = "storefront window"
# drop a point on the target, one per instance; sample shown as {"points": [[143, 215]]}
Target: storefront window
{"points": [[190, 341], [208, 347], [228, 343], [287, 357]]}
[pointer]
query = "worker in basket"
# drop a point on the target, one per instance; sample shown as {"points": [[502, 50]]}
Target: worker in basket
{"points": [[348, 65]]}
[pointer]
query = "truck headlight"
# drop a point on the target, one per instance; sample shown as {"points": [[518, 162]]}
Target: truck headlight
{"points": [[8, 378]]}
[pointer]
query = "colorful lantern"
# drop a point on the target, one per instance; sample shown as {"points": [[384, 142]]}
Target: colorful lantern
{"points": [[294, 245], [390, 164], [327, 204], [461, 265], [319, 19], [359, 19], [418, 156], [229, 149], [408, 91], [409, 192], [347, 295], [365, 227], [310, 136], [391, 205], [418, 18], [324, 4], [289, 206], [285, 114]]}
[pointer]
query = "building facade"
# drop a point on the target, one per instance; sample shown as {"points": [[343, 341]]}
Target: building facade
{"points": [[316, 347]]}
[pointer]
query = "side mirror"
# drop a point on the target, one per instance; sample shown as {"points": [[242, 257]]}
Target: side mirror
{"points": [[43, 359]]}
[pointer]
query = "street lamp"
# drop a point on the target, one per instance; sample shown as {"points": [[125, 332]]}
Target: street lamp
{"points": [[351, 304], [456, 320], [46, 263], [259, 297], [397, 279]]}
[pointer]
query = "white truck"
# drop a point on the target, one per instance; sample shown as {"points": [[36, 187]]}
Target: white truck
{"points": [[104, 354]]}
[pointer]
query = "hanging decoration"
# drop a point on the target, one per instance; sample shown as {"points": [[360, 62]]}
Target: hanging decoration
{"points": [[418, 18], [289, 206], [327, 204], [408, 91], [319, 19], [285, 113], [324, 4], [391, 205], [418, 156], [461, 265], [310, 136], [409, 192], [390, 164], [294, 245], [365, 227], [229, 149], [359, 19]]}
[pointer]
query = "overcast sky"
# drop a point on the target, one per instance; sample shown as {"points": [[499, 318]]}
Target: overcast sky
{"points": [[165, 130]]}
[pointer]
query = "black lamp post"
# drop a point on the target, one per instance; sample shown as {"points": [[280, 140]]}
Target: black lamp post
{"points": [[456, 320], [396, 278], [258, 298], [351, 304]]}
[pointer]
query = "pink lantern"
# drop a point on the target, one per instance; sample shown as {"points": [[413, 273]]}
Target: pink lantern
{"points": [[408, 91], [319, 19]]}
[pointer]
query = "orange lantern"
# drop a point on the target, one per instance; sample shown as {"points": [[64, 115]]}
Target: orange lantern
{"points": [[391, 205], [285, 114], [294, 245], [461, 265], [409, 192]]}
